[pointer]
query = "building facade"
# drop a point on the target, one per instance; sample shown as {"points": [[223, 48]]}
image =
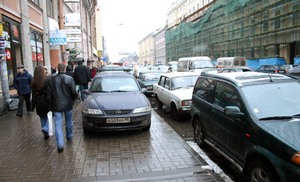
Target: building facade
{"points": [[25, 37], [146, 50]]}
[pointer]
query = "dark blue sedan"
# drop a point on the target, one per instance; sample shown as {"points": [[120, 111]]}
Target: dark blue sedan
{"points": [[115, 101]]}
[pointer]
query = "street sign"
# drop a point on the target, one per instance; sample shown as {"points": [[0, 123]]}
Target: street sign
{"points": [[58, 37], [58, 41]]}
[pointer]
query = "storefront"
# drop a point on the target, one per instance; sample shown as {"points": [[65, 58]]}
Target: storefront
{"points": [[13, 47]]}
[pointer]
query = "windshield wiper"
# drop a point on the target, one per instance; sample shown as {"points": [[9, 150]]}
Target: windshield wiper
{"points": [[276, 118]]}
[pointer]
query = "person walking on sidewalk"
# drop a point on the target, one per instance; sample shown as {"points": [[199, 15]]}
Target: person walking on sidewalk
{"points": [[82, 77], [22, 83], [63, 95], [41, 97]]}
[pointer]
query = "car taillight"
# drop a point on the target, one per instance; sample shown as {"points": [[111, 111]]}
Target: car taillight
{"points": [[296, 158], [276, 71]]}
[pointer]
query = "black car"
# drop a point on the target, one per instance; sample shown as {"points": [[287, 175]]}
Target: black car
{"points": [[272, 69], [115, 101], [253, 119], [147, 79]]}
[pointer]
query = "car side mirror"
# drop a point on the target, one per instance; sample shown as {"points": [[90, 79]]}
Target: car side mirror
{"points": [[233, 111]]}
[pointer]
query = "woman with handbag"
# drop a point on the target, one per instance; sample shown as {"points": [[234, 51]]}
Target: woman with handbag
{"points": [[41, 98]]}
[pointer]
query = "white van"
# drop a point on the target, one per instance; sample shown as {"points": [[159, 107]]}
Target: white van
{"points": [[228, 62], [195, 64]]}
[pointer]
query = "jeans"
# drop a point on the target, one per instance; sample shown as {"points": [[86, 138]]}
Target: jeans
{"points": [[27, 101], [45, 124], [81, 88], [59, 135]]}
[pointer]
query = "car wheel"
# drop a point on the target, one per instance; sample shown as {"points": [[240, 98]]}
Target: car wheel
{"points": [[174, 113], [199, 133], [258, 171], [158, 103]]}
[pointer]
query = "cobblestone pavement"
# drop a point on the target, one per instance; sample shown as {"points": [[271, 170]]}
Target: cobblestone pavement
{"points": [[156, 155]]}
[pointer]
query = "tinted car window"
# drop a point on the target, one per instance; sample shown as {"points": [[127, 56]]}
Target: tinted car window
{"points": [[226, 96], [204, 89]]}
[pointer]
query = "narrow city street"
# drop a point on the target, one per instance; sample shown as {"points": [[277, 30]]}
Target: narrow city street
{"points": [[158, 155]]}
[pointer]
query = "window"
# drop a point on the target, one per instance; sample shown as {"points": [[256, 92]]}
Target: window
{"points": [[37, 2], [50, 12], [226, 96], [204, 89]]}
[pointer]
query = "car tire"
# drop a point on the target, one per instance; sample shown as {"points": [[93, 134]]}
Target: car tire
{"points": [[174, 112], [158, 103], [199, 135], [258, 171]]}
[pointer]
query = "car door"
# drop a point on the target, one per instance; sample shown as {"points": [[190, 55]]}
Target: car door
{"points": [[228, 132], [165, 93]]}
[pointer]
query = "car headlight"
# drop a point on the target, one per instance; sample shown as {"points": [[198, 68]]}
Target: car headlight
{"points": [[92, 111], [186, 103], [142, 109], [150, 87]]}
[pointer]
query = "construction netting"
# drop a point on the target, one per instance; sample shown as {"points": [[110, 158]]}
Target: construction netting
{"points": [[248, 28]]}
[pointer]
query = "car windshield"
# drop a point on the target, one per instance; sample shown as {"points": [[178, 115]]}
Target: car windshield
{"points": [[114, 84], [150, 76], [203, 64], [183, 82], [274, 99]]}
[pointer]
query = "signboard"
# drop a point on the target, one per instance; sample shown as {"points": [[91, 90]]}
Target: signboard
{"points": [[73, 39], [1, 29], [72, 19], [58, 37], [73, 31]]}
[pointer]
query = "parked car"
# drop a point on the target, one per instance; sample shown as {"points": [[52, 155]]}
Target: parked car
{"points": [[115, 101], [227, 62], [272, 69], [174, 90], [252, 119], [147, 79], [295, 72], [173, 65], [194, 64]]}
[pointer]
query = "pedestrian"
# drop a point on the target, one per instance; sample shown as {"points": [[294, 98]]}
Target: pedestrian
{"points": [[22, 83], [63, 95], [41, 97], [82, 77], [69, 71], [46, 71]]}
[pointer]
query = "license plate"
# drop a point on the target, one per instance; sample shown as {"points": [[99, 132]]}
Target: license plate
{"points": [[118, 120]]}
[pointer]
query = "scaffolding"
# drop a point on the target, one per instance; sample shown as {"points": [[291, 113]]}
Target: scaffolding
{"points": [[248, 28]]}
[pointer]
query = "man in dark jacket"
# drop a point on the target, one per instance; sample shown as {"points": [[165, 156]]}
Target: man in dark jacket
{"points": [[63, 95], [82, 77], [22, 83]]}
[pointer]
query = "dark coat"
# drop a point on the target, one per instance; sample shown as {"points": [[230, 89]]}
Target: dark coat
{"points": [[63, 92], [41, 99], [69, 71], [22, 83], [82, 75]]}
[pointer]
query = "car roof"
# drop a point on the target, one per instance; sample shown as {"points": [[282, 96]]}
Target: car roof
{"points": [[246, 78], [180, 74], [113, 74]]}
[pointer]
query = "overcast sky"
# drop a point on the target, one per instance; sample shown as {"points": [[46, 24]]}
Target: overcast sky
{"points": [[126, 22]]}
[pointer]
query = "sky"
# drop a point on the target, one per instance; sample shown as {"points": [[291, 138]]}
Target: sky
{"points": [[127, 22]]}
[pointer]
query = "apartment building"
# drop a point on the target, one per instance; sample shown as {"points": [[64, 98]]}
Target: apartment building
{"points": [[43, 32]]}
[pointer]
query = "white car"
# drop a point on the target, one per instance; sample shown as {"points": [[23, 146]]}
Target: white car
{"points": [[174, 90]]}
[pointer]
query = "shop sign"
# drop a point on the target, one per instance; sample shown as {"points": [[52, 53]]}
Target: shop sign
{"points": [[72, 19], [8, 54], [58, 37], [73, 31], [73, 39]]}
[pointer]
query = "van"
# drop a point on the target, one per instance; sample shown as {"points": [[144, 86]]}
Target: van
{"points": [[227, 62], [195, 64]]}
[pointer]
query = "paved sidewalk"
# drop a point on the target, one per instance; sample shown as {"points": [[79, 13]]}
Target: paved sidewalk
{"points": [[158, 155]]}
